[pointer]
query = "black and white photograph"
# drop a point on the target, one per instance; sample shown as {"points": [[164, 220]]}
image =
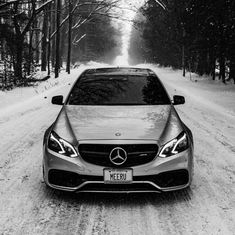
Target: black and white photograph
{"points": [[117, 117]]}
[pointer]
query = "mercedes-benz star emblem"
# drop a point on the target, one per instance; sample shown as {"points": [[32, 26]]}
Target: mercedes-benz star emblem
{"points": [[118, 156], [118, 134]]}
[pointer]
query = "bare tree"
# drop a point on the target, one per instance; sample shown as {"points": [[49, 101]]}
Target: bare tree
{"points": [[44, 46], [29, 34], [23, 15], [57, 57], [69, 38]]}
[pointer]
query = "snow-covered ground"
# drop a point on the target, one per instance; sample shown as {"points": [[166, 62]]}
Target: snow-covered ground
{"points": [[208, 207]]}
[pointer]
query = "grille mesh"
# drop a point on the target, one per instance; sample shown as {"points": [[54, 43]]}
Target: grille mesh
{"points": [[137, 154]]}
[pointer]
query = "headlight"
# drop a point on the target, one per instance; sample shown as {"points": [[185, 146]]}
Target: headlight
{"points": [[177, 145], [59, 145]]}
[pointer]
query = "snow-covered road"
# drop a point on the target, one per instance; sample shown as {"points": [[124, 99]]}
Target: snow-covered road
{"points": [[208, 207]]}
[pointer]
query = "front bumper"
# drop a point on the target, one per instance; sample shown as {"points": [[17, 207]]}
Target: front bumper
{"points": [[159, 175]]}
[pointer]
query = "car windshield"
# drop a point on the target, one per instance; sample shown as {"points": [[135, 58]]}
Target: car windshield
{"points": [[118, 90]]}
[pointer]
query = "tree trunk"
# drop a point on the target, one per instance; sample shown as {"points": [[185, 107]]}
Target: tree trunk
{"points": [[57, 59], [213, 66], [49, 41], [63, 30], [3, 58], [44, 40], [18, 61], [232, 70], [37, 36], [53, 28], [30, 56], [183, 60], [183, 49], [69, 39], [222, 68]]}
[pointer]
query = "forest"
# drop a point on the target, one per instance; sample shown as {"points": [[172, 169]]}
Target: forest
{"points": [[51, 35], [196, 35]]}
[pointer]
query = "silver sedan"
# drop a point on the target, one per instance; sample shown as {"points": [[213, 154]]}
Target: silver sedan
{"points": [[118, 131]]}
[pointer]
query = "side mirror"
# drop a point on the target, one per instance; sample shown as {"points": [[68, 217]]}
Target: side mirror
{"points": [[178, 99], [57, 100]]}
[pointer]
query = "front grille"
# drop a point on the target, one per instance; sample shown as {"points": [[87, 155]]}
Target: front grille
{"points": [[137, 154]]}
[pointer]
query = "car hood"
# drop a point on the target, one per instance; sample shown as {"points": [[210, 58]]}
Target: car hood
{"points": [[118, 122]]}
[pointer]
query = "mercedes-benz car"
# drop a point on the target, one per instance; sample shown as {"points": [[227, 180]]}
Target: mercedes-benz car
{"points": [[118, 131]]}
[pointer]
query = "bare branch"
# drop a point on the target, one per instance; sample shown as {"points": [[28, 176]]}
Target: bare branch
{"points": [[98, 7], [35, 11], [41, 8], [8, 3], [76, 41]]}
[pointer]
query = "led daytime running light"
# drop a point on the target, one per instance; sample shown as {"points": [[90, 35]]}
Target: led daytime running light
{"points": [[70, 146], [182, 138], [62, 144], [58, 142], [169, 148]]}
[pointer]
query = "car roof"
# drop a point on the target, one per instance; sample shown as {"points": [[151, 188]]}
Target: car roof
{"points": [[120, 71]]}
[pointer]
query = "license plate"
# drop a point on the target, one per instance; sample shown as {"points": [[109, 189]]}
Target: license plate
{"points": [[118, 176]]}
